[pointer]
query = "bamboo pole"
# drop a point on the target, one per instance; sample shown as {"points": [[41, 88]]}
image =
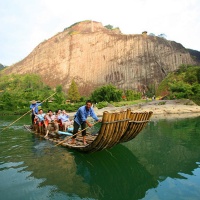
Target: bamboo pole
{"points": [[125, 125], [131, 127], [120, 128], [95, 144], [108, 135], [75, 134], [116, 133], [25, 114], [145, 119], [136, 126]]}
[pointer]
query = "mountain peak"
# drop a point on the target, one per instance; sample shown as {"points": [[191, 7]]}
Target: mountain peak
{"points": [[94, 55], [89, 26]]}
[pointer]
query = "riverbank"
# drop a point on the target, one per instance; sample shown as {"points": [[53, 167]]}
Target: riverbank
{"points": [[167, 109], [161, 109]]}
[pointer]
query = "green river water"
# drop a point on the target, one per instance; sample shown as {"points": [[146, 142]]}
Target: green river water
{"points": [[162, 162]]}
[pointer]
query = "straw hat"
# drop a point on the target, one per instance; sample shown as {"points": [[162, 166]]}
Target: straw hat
{"points": [[33, 102]]}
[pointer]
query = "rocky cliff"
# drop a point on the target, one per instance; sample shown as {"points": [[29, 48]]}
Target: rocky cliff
{"points": [[93, 55]]}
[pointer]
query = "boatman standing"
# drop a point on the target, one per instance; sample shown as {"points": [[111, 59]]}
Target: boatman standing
{"points": [[80, 119], [34, 108]]}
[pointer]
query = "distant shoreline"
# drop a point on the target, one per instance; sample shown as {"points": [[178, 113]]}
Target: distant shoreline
{"points": [[168, 109]]}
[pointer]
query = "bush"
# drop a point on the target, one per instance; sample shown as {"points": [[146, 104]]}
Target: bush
{"points": [[106, 93], [132, 95]]}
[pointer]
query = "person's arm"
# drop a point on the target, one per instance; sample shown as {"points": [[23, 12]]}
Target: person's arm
{"points": [[46, 117], [67, 117], [33, 110], [93, 115], [88, 123]]}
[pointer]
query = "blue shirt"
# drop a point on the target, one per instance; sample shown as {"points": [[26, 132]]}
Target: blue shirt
{"points": [[35, 106], [63, 118], [41, 117], [83, 113]]}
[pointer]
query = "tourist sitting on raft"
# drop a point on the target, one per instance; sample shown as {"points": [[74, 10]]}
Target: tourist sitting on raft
{"points": [[63, 117], [39, 120], [80, 119], [51, 121]]}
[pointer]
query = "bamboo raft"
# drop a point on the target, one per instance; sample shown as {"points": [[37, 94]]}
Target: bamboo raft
{"points": [[115, 128]]}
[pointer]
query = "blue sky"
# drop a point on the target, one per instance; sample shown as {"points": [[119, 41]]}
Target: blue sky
{"points": [[26, 23]]}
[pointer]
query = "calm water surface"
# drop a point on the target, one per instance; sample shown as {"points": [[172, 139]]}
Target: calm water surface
{"points": [[162, 162]]}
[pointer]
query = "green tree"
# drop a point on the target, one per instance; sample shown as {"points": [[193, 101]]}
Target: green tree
{"points": [[8, 100], [109, 26], [16, 91], [198, 75], [59, 88], [73, 93], [180, 90], [191, 75], [107, 93], [183, 83], [59, 96], [196, 92]]}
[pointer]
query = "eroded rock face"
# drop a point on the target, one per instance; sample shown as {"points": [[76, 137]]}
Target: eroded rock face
{"points": [[95, 56]]}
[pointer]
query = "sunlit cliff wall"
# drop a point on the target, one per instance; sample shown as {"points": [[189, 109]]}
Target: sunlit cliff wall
{"points": [[93, 55]]}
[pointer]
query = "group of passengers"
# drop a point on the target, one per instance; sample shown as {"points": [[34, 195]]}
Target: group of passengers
{"points": [[62, 118], [58, 119]]}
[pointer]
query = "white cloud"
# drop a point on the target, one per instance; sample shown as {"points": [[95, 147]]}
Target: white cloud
{"points": [[24, 24]]}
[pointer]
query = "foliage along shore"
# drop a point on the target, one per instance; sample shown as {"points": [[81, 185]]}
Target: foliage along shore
{"points": [[16, 92]]}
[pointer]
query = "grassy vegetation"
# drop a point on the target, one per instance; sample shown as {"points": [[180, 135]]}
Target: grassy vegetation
{"points": [[127, 103]]}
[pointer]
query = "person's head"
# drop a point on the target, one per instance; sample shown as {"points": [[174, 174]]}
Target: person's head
{"points": [[57, 112], [40, 111], [50, 112], [88, 104]]}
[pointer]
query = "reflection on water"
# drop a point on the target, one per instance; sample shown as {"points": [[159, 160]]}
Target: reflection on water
{"points": [[114, 173], [160, 163]]}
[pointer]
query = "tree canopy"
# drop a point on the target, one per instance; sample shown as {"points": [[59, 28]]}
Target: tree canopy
{"points": [[16, 92], [184, 83], [109, 26], [107, 93]]}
